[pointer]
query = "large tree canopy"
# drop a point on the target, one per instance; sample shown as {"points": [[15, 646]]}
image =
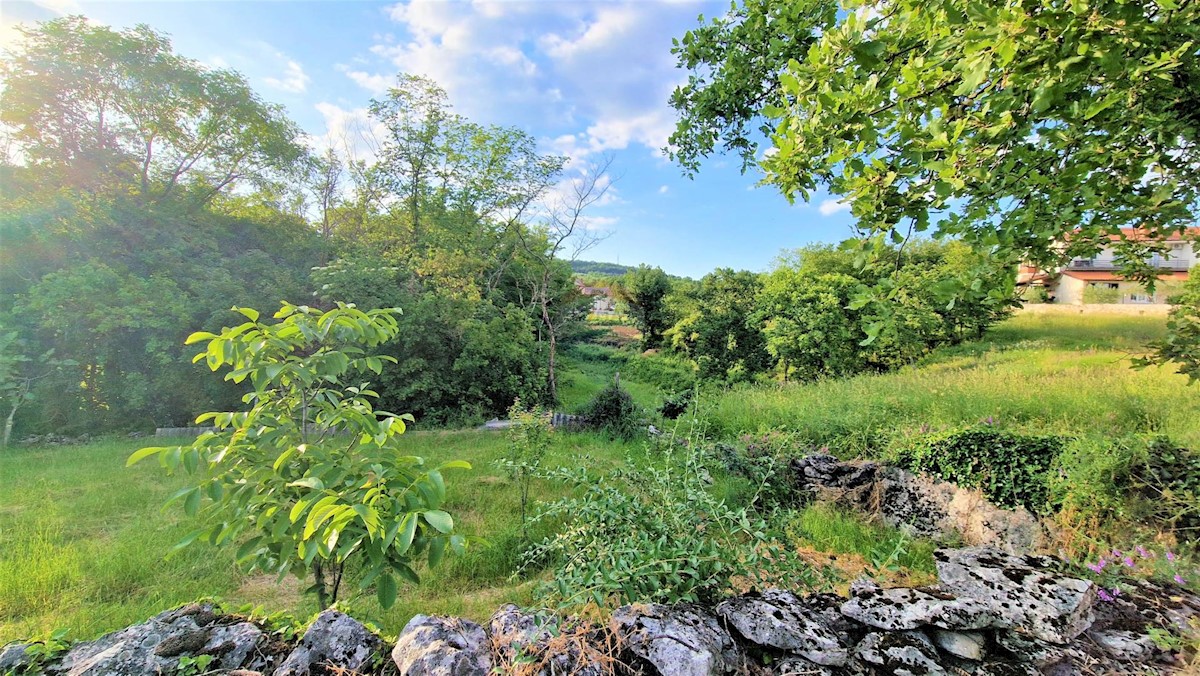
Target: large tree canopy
{"points": [[102, 108], [1018, 126]]}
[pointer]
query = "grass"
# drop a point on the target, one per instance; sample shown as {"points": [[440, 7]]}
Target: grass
{"points": [[1046, 374], [84, 543]]}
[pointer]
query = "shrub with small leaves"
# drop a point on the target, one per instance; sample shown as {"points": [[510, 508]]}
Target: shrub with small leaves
{"points": [[528, 440], [656, 534], [309, 476], [613, 411]]}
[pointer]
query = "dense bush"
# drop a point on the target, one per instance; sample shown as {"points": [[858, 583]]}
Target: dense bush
{"points": [[614, 412], [657, 534], [1169, 481], [1011, 469]]}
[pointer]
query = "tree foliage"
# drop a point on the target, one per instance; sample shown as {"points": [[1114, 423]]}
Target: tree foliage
{"points": [[721, 335], [100, 108], [309, 474], [644, 290], [1032, 130]]}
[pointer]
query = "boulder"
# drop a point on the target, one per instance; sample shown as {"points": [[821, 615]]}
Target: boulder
{"points": [[1028, 591], [921, 504], [679, 640], [334, 640], [1126, 646], [780, 621], [13, 657], [442, 646], [905, 653], [156, 645], [902, 609]]}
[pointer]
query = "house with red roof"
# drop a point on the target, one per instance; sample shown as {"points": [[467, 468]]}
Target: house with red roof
{"points": [[1101, 273]]}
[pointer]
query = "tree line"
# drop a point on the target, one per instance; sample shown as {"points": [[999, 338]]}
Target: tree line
{"points": [[143, 195]]}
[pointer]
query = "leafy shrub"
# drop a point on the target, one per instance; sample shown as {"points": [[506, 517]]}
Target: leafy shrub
{"points": [[1169, 480], [675, 405], [528, 441], [656, 534], [310, 474], [1011, 469], [613, 411], [1101, 295]]}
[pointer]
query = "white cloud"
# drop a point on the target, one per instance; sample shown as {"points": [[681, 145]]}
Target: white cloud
{"points": [[662, 189], [374, 83], [352, 133], [294, 80], [601, 70], [832, 206], [598, 223]]}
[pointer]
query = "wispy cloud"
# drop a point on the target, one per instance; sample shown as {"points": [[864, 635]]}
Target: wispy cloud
{"points": [[832, 206], [294, 80], [662, 189]]}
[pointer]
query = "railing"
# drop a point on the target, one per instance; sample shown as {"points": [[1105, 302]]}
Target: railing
{"points": [[1111, 264]]}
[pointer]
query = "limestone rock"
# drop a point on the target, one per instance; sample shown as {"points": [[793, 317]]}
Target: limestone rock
{"points": [[442, 646], [777, 619], [13, 657], [333, 640], [969, 645], [798, 666], [906, 653], [156, 645], [678, 640], [1126, 646], [919, 503], [902, 609], [555, 645], [1026, 591]]}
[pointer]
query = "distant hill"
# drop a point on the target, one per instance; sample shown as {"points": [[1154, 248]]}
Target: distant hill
{"points": [[595, 268]]}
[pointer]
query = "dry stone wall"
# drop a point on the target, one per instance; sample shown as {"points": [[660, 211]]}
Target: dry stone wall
{"points": [[991, 613]]}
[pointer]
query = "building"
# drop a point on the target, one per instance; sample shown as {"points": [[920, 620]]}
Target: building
{"points": [[1098, 279], [603, 301]]}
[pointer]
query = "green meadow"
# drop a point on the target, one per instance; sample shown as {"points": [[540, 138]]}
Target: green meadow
{"points": [[86, 544]]}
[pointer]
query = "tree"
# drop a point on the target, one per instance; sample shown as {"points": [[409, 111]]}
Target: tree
{"points": [[807, 323], [1033, 131], [18, 373], [311, 470], [1181, 346], [563, 231], [106, 110], [644, 290], [723, 336]]}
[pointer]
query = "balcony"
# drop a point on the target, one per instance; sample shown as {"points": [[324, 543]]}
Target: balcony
{"points": [[1111, 264]]}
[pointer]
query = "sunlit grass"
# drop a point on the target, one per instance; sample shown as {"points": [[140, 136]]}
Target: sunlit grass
{"points": [[1066, 375]]}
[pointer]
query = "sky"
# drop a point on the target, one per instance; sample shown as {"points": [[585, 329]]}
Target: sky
{"points": [[586, 79]]}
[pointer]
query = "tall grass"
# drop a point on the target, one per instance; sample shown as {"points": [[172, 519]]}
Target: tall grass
{"points": [[1067, 375], [84, 543]]}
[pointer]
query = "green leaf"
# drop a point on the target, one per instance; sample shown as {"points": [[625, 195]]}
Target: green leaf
{"points": [[191, 504], [143, 453], [309, 482], [385, 590], [439, 520], [437, 550], [408, 530]]}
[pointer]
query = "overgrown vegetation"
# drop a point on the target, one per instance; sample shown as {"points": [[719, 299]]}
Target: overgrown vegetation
{"points": [[308, 480]]}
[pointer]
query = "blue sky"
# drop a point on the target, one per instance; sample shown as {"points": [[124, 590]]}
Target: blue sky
{"points": [[584, 78]]}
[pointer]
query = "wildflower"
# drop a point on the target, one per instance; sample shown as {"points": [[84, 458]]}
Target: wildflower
{"points": [[1116, 591], [1142, 552], [1104, 595], [989, 420], [1128, 561], [1117, 554], [1179, 579], [1170, 555], [1096, 567]]}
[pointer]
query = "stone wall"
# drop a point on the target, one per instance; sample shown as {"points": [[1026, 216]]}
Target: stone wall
{"points": [[991, 613]]}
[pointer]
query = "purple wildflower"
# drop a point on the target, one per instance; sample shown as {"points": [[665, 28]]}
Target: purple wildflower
{"points": [[1142, 552], [1104, 595], [1128, 561], [1170, 555], [1116, 591], [1117, 554], [1179, 579]]}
